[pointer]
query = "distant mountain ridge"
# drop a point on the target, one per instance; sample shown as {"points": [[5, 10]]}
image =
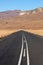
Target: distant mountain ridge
{"points": [[14, 13], [17, 19], [9, 14]]}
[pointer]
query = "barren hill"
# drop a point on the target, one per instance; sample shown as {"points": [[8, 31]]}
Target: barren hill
{"points": [[17, 19]]}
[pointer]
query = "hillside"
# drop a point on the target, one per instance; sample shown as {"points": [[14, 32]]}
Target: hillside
{"points": [[17, 19]]}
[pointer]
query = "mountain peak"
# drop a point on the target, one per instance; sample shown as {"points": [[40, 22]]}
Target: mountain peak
{"points": [[40, 9]]}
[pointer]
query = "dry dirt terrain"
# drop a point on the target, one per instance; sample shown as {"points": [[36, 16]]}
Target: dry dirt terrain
{"points": [[12, 21], [7, 32]]}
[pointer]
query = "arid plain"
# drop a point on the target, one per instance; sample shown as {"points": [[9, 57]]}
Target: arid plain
{"points": [[30, 21]]}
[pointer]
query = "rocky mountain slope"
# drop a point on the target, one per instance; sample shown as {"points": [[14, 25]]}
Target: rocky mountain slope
{"points": [[17, 19]]}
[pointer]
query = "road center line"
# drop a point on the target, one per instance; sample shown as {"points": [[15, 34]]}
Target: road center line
{"points": [[24, 41], [19, 62], [24, 54]]}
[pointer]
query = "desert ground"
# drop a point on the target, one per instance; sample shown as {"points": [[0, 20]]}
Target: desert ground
{"points": [[30, 21], [7, 32]]}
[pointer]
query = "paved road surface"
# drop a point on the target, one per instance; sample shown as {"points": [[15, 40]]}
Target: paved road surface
{"points": [[21, 48], [24, 54], [14, 54]]}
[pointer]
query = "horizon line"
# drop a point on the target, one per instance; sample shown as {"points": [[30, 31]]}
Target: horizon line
{"points": [[19, 9]]}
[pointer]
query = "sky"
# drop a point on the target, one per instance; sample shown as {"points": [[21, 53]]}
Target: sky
{"points": [[20, 4]]}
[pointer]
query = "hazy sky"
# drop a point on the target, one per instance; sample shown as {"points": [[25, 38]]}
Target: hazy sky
{"points": [[20, 4]]}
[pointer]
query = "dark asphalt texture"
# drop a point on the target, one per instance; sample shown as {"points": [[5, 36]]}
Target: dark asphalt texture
{"points": [[10, 48]]}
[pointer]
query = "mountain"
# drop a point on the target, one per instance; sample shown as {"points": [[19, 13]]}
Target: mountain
{"points": [[17, 19], [9, 14], [13, 13]]}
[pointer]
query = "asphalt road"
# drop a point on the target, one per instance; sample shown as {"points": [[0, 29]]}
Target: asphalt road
{"points": [[30, 44], [24, 55]]}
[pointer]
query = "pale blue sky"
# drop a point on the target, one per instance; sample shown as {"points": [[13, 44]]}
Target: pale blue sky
{"points": [[20, 4]]}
